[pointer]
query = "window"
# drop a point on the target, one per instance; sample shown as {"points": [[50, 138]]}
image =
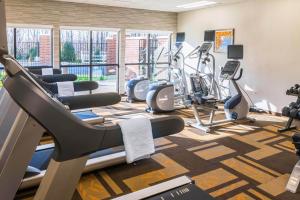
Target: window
{"points": [[91, 55], [32, 47], [145, 55]]}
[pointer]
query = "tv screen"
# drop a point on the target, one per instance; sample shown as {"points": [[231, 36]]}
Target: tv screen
{"points": [[180, 37], [209, 36], [235, 52]]}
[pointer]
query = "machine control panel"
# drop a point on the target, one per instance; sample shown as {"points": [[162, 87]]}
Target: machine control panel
{"points": [[205, 47], [230, 69]]}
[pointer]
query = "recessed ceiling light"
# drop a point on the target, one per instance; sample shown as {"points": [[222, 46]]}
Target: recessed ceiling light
{"points": [[197, 4]]}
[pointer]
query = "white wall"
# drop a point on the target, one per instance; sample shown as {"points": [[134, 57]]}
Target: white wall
{"points": [[270, 33]]}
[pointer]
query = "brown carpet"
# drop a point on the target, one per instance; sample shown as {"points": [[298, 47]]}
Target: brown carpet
{"points": [[236, 161]]}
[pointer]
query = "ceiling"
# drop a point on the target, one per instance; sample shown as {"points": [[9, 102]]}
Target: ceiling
{"points": [[160, 5]]}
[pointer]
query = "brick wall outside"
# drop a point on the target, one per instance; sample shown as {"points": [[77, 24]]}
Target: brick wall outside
{"points": [[45, 50], [111, 53]]}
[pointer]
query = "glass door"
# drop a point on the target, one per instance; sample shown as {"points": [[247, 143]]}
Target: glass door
{"points": [[91, 55], [146, 55]]}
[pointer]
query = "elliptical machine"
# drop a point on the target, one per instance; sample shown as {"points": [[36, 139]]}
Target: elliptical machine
{"points": [[166, 97], [202, 53], [235, 108], [137, 89]]}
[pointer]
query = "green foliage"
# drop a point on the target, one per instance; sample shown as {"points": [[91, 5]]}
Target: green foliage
{"points": [[68, 52], [20, 57], [33, 52], [2, 74], [97, 52], [82, 78], [103, 78], [86, 78]]}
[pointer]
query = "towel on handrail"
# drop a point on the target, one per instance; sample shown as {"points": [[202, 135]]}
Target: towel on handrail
{"points": [[65, 88], [138, 138], [47, 71]]}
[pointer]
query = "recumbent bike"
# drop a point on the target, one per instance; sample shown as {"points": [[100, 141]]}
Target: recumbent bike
{"points": [[235, 108]]}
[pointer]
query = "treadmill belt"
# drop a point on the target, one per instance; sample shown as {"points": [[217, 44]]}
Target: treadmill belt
{"points": [[41, 159], [189, 191], [85, 115]]}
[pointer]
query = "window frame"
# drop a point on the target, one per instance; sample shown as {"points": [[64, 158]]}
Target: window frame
{"points": [[33, 26], [150, 65], [91, 64]]}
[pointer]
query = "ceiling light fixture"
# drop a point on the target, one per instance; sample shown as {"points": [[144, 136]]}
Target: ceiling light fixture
{"points": [[197, 4]]}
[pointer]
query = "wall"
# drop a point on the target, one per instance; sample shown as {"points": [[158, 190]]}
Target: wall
{"points": [[270, 33], [47, 12]]}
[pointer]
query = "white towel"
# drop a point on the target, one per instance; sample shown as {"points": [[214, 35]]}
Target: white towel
{"points": [[65, 89], [138, 138], [47, 71]]}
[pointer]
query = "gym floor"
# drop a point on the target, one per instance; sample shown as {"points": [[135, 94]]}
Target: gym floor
{"points": [[236, 161]]}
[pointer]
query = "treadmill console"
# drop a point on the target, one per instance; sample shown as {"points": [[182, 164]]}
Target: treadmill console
{"points": [[188, 191], [205, 47], [180, 38], [230, 69]]}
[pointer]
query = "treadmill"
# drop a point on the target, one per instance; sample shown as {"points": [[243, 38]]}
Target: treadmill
{"points": [[79, 103], [77, 145], [43, 154]]}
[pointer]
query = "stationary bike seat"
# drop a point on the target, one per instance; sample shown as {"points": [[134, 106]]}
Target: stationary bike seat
{"points": [[209, 98]]}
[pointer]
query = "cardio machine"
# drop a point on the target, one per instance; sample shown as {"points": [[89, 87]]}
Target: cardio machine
{"points": [[235, 108], [171, 95], [204, 58], [138, 88], [206, 66]]}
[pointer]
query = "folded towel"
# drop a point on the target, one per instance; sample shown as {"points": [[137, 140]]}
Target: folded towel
{"points": [[138, 138], [65, 89], [47, 71]]}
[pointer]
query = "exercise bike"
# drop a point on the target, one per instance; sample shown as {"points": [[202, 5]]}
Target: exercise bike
{"points": [[235, 108]]}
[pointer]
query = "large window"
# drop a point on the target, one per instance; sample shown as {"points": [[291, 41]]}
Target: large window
{"points": [[145, 55], [91, 55], [32, 47]]}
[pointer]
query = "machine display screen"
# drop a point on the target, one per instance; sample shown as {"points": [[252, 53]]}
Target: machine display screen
{"points": [[235, 52], [180, 37]]}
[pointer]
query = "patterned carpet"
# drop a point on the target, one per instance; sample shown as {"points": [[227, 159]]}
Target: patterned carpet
{"points": [[234, 162]]}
